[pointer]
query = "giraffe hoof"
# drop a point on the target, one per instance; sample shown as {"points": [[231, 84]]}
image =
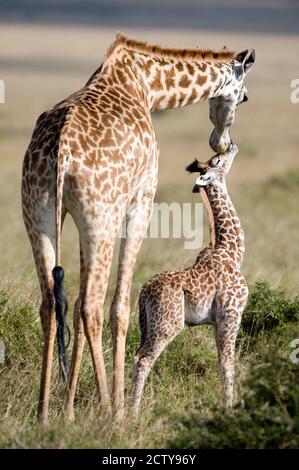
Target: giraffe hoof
{"points": [[43, 421], [70, 416], [105, 410]]}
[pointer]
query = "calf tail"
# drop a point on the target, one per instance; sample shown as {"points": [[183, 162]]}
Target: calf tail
{"points": [[142, 316]]}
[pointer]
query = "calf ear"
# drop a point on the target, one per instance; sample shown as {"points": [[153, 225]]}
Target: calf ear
{"points": [[193, 167], [246, 59]]}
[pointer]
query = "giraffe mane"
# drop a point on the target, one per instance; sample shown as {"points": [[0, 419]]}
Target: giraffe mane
{"points": [[197, 54]]}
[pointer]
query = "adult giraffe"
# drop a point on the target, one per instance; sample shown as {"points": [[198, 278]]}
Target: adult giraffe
{"points": [[94, 155]]}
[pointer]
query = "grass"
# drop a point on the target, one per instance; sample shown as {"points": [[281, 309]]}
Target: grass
{"points": [[263, 184], [183, 387], [287, 182], [266, 418]]}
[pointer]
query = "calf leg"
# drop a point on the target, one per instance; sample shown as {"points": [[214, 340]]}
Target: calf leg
{"points": [[226, 334], [145, 359], [143, 363]]}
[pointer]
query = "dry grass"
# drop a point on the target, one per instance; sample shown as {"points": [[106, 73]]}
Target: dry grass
{"points": [[40, 66]]}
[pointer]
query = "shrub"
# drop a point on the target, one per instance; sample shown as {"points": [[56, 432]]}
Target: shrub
{"points": [[268, 417], [267, 308]]}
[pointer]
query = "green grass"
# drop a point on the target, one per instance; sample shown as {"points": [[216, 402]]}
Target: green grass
{"points": [[183, 397], [267, 417]]}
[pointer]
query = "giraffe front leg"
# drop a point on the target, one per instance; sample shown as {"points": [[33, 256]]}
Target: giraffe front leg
{"points": [[226, 334], [137, 222]]}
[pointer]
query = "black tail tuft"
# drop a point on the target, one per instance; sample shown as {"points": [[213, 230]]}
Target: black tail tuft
{"points": [[61, 307]]}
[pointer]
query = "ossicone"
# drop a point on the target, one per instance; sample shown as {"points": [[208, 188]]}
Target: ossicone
{"points": [[193, 167]]}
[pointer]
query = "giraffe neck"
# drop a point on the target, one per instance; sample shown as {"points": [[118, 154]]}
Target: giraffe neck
{"points": [[174, 83], [228, 233], [208, 207], [169, 81]]}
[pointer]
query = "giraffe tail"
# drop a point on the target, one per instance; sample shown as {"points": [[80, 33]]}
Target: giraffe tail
{"points": [[61, 307], [61, 303], [142, 316]]}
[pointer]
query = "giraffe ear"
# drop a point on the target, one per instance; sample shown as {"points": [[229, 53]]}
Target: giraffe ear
{"points": [[202, 180], [246, 59], [193, 167]]}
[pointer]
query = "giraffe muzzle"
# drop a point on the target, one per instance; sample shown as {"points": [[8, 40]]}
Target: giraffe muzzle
{"points": [[220, 144]]}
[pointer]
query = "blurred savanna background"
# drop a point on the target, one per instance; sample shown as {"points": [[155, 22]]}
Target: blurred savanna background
{"points": [[48, 49]]}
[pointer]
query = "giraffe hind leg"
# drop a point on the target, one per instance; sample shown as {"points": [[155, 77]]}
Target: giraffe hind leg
{"points": [[39, 218], [148, 352], [143, 363], [78, 347], [91, 308], [44, 255]]}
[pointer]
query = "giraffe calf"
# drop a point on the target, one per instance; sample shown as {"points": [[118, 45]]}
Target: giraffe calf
{"points": [[211, 291]]}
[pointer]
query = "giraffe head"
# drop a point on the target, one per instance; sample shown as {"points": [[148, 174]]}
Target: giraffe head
{"points": [[231, 94], [213, 171]]}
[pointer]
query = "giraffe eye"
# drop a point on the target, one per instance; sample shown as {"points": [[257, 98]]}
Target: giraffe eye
{"points": [[215, 161]]}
